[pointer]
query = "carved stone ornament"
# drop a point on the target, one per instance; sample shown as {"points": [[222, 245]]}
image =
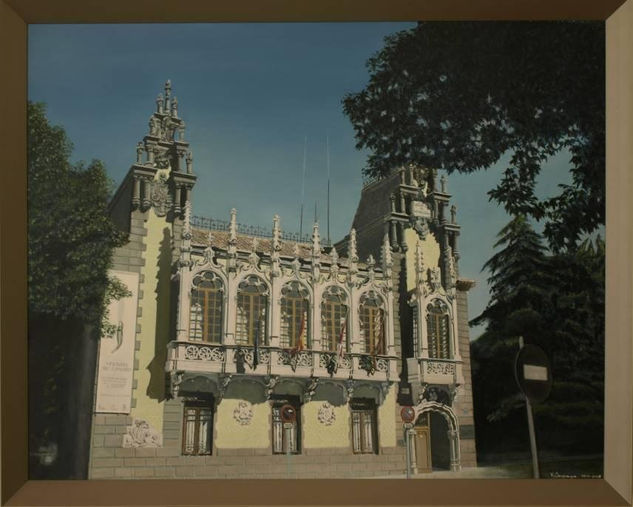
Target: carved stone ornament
{"points": [[326, 414], [435, 278], [141, 434], [420, 225], [161, 200], [243, 413]]}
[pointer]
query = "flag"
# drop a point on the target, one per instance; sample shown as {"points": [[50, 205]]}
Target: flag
{"points": [[300, 345], [378, 333], [340, 346], [256, 348]]}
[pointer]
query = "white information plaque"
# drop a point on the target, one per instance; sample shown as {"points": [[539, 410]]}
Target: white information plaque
{"points": [[116, 351]]}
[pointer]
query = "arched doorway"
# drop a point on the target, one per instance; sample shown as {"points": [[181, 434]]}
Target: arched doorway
{"points": [[436, 438]]}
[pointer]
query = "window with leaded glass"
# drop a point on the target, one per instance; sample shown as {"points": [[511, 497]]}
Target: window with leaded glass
{"points": [[197, 428], [295, 307], [286, 439], [205, 313], [372, 323], [364, 426], [334, 319], [252, 302], [438, 330]]}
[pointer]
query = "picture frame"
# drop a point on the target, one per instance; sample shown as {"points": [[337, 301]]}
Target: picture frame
{"points": [[614, 489]]}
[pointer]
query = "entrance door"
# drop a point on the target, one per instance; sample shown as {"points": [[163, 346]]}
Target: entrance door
{"points": [[423, 445]]}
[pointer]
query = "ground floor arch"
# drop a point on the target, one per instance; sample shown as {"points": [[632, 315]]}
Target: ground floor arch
{"points": [[435, 438]]}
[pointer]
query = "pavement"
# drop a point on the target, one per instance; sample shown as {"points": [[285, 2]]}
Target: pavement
{"points": [[466, 473]]}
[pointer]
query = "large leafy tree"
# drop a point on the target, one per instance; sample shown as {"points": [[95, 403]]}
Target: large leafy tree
{"points": [[70, 243], [458, 95]]}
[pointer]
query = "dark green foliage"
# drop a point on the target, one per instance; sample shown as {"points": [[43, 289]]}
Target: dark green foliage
{"points": [[70, 243], [556, 302], [458, 95], [70, 234]]}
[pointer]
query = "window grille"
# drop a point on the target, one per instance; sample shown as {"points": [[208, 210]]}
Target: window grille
{"points": [[364, 427], [197, 428]]}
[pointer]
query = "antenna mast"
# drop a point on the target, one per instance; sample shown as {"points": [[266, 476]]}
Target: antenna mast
{"points": [[303, 187], [327, 148]]}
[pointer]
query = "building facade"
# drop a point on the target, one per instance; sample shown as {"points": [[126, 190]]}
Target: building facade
{"points": [[242, 352]]}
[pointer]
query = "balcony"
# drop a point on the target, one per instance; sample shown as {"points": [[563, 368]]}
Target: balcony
{"points": [[222, 359], [434, 371]]}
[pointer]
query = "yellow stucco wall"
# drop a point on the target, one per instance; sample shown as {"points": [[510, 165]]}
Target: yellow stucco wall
{"points": [[387, 420], [430, 254], [317, 435], [154, 322], [230, 434]]}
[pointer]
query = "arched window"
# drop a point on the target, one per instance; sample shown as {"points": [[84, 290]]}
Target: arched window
{"points": [[205, 313], [372, 323], [252, 301], [295, 307], [334, 319], [438, 330]]}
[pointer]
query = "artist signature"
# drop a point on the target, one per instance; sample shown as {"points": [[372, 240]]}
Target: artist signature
{"points": [[556, 475]]}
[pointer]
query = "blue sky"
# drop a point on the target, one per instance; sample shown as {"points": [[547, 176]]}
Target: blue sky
{"points": [[249, 94]]}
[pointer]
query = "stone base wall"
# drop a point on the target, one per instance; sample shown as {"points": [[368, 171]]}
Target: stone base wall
{"points": [[109, 460]]}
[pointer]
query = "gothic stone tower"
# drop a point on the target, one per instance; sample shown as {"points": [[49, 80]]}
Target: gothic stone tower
{"points": [[409, 207]]}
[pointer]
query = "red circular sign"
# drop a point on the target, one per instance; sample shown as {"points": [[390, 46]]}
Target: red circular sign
{"points": [[288, 413], [407, 414]]}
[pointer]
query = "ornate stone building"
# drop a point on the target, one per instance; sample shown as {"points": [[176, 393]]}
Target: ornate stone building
{"points": [[242, 352]]}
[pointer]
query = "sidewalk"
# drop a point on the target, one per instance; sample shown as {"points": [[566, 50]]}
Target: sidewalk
{"points": [[467, 473]]}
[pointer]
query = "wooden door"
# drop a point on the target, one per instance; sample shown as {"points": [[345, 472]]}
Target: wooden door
{"points": [[423, 449]]}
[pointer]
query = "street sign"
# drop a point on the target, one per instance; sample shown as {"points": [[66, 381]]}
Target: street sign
{"points": [[533, 373], [407, 414], [288, 414]]}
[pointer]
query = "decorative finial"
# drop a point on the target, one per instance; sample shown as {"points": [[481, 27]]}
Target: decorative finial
{"points": [[453, 214], [233, 227], [166, 106], [419, 263], [139, 152], [316, 240], [181, 131], [334, 255], [371, 262], [352, 250], [443, 183], [189, 161], [153, 126], [209, 239], [174, 107], [167, 88], [387, 258], [295, 251], [276, 243], [159, 103]]}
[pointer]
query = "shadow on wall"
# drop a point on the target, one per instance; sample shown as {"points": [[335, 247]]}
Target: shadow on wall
{"points": [[156, 387]]}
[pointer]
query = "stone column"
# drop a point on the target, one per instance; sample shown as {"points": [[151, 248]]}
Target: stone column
{"points": [[136, 193], [146, 189], [453, 439], [177, 199]]}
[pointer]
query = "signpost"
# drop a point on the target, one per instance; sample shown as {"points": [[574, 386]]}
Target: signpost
{"points": [[408, 415], [533, 375], [288, 417]]}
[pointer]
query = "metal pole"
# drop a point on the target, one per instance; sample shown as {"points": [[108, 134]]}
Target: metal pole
{"points": [[406, 439], [530, 418]]}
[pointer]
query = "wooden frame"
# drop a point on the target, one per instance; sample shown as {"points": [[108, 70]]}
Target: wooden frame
{"points": [[615, 489]]}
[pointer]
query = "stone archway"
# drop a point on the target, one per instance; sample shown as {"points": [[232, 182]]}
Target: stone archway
{"points": [[453, 428]]}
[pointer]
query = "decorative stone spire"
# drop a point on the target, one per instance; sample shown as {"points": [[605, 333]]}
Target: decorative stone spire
{"points": [[159, 103], [167, 106], [352, 250], [334, 255], [453, 214], [139, 152], [181, 131], [316, 241], [443, 183], [419, 264], [386, 257], [174, 107], [185, 247], [189, 161], [371, 263], [233, 227], [334, 267], [208, 251], [276, 242]]}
